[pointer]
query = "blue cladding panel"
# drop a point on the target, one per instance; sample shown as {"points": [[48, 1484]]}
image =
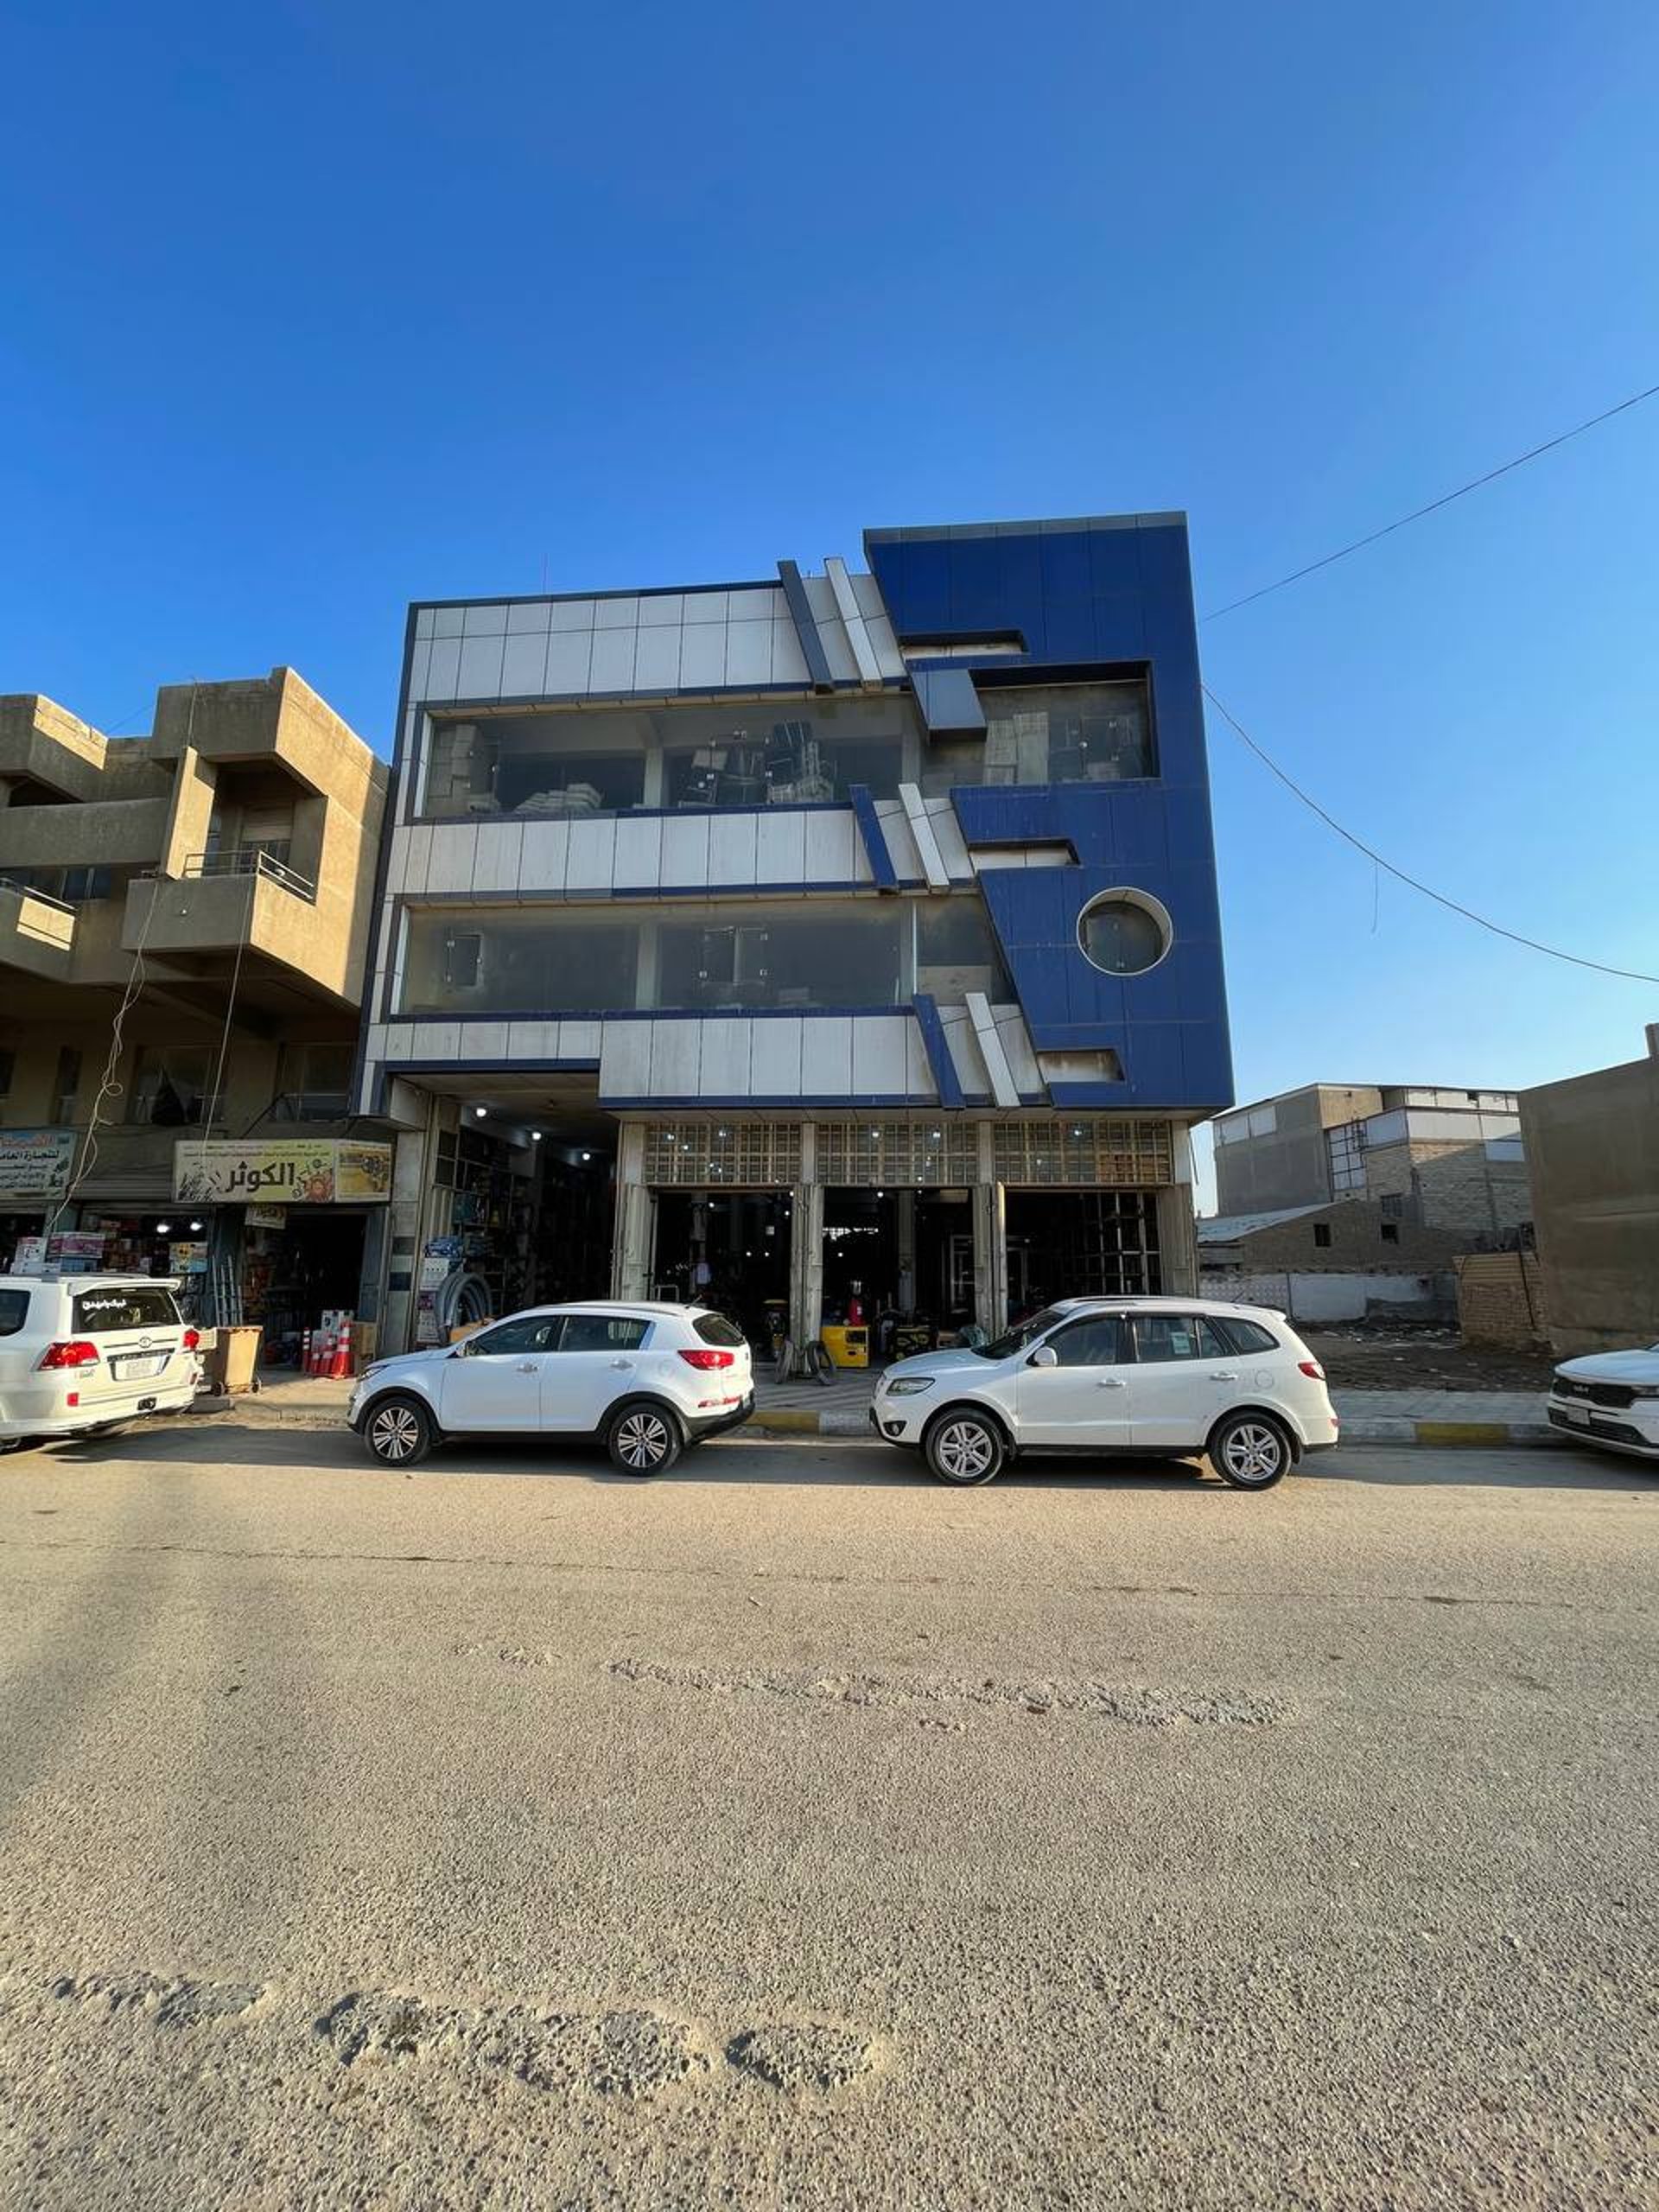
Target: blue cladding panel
{"points": [[949, 702], [875, 843], [1091, 594], [939, 1051]]}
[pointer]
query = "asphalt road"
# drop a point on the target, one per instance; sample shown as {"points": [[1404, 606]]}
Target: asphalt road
{"points": [[793, 1832]]}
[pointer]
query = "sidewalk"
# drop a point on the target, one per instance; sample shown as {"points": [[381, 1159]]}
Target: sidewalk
{"points": [[841, 1408]]}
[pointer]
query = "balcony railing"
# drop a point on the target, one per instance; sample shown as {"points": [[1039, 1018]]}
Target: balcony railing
{"points": [[40, 898], [251, 860]]}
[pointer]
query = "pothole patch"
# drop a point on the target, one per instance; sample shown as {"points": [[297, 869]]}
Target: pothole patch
{"points": [[1130, 1705], [167, 2004], [802, 2057]]}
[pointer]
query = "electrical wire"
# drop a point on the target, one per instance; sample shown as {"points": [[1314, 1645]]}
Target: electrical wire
{"points": [[1433, 507], [1427, 891]]}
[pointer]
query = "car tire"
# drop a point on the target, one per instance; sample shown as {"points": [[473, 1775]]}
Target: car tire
{"points": [[643, 1438], [12, 1444], [965, 1448], [398, 1433], [1250, 1451]]}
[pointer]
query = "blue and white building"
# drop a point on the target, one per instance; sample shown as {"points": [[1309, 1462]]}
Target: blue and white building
{"points": [[828, 930]]}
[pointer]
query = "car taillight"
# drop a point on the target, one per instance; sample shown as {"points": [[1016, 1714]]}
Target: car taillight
{"points": [[707, 1359], [192, 1340], [1312, 1369], [76, 1352]]}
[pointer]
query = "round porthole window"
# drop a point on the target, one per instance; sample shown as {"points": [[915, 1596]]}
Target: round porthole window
{"points": [[1124, 932]]}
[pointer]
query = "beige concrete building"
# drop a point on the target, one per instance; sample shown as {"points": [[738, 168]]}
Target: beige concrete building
{"points": [[1438, 1158], [1592, 1147], [183, 921]]}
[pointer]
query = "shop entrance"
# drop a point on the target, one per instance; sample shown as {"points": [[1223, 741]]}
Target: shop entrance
{"points": [[729, 1250], [1080, 1244], [292, 1275], [899, 1260]]}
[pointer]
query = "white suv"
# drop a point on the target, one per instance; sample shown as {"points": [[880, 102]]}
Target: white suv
{"points": [[83, 1353], [1610, 1398], [1174, 1376], [646, 1380]]}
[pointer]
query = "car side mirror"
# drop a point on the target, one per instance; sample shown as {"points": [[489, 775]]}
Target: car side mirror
{"points": [[1044, 1356], [467, 1349]]}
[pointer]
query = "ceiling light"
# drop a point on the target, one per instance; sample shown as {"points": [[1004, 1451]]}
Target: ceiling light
{"points": [[587, 1155], [163, 1227], [195, 1226], [480, 1111], [535, 1136]]}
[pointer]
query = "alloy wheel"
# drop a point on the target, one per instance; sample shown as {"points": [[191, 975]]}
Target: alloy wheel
{"points": [[1253, 1453], [964, 1450], [642, 1440], [395, 1432]]}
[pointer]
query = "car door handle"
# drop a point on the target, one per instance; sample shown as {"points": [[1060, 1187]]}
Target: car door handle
{"points": [[527, 1367], [1110, 1382], [621, 1363], [1223, 1374]]}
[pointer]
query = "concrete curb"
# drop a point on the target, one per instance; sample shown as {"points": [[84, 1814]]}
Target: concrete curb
{"points": [[789, 1421]]}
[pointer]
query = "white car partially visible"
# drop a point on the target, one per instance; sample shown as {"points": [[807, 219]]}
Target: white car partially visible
{"points": [[646, 1380], [1610, 1398], [82, 1354]]}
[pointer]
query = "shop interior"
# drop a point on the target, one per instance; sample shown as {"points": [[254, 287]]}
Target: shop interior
{"points": [[1080, 1244], [899, 1260], [729, 1249]]}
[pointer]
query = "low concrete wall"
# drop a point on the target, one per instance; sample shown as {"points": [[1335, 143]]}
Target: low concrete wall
{"points": [[1335, 1297]]}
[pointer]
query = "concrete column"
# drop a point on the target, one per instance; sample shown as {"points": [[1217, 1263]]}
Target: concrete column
{"points": [[633, 1247], [191, 812], [907, 1226], [806, 1263], [990, 1257], [414, 1194], [1177, 1241]]}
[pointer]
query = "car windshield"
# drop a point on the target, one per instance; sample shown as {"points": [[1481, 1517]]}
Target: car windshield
{"points": [[1020, 1335]]}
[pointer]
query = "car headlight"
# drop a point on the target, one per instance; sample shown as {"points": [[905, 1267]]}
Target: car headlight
{"points": [[1645, 1391], [908, 1385]]}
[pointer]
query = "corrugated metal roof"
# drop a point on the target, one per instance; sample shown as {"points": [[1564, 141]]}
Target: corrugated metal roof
{"points": [[1227, 1229]]}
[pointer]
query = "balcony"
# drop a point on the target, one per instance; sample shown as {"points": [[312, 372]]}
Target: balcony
{"points": [[37, 934], [245, 900]]}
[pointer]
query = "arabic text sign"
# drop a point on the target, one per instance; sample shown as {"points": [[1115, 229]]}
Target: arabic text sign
{"points": [[35, 1163], [297, 1171]]}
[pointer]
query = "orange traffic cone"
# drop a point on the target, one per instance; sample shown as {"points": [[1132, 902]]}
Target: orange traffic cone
{"points": [[339, 1363]]}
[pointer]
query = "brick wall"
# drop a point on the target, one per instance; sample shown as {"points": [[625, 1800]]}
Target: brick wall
{"points": [[1453, 1187], [1501, 1299], [1355, 1229]]}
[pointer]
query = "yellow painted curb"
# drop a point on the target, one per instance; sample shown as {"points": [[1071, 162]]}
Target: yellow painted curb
{"points": [[1463, 1431], [785, 1418]]}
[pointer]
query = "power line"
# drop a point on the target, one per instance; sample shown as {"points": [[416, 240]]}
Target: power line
{"points": [[1574, 959], [1444, 501]]}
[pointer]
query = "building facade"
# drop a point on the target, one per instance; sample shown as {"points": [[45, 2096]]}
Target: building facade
{"points": [[1348, 1260], [1439, 1158], [1592, 1147], [841, 943], [184, 920]]}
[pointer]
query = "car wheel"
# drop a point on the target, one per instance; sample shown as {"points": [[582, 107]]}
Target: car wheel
{"points": [[643, 1439], [12, 1443], [963, 1449], [398, 1433], [1249, 1450]]}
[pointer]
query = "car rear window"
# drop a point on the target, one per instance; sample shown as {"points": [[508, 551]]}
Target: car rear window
{"points": [[100, 1311], [14, 1311], [1245, 1336], [716, 1329]]}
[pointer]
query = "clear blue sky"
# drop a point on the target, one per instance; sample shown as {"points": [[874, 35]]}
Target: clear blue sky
{"points": [[311, 309]]}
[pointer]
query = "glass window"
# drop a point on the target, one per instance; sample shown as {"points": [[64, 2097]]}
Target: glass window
{"points": [[1159, 1336], [529, 1332], [66, 1087], [1124, 933], [316, 1080], [1212, 1344], [569, 761], [137, 1308], [169, 1085], [602, 1332], [697, 956], [716, 1329], [1066, 733], [14, 1311], [1245, 1336], [1099, 1340], [956, 950]]}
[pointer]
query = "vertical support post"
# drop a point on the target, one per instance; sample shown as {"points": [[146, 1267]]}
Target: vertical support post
{"points": [[907, 1228], [806, 1263], [636, 1218], [990, 1257]]}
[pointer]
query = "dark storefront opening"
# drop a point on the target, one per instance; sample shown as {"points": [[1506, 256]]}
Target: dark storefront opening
{"points": [[729, 1250], [905, 1258], [291, 1277], [531, 1213], [1080, 1244]]}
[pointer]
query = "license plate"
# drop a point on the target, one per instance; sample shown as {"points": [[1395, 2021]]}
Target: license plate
{"points": [[1579, 1415], [137, 1367]]}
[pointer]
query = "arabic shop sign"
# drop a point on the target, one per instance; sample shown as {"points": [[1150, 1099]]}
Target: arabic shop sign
{"points": [[298, 1171], [35, 1163]]}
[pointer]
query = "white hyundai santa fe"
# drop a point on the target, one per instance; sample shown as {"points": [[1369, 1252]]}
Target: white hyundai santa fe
{"points": [[1151, 1377], [646, 1380]]}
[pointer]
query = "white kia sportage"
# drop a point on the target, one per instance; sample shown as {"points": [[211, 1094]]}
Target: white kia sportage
{"points": [[646, 1380], [1152, 1376]]}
